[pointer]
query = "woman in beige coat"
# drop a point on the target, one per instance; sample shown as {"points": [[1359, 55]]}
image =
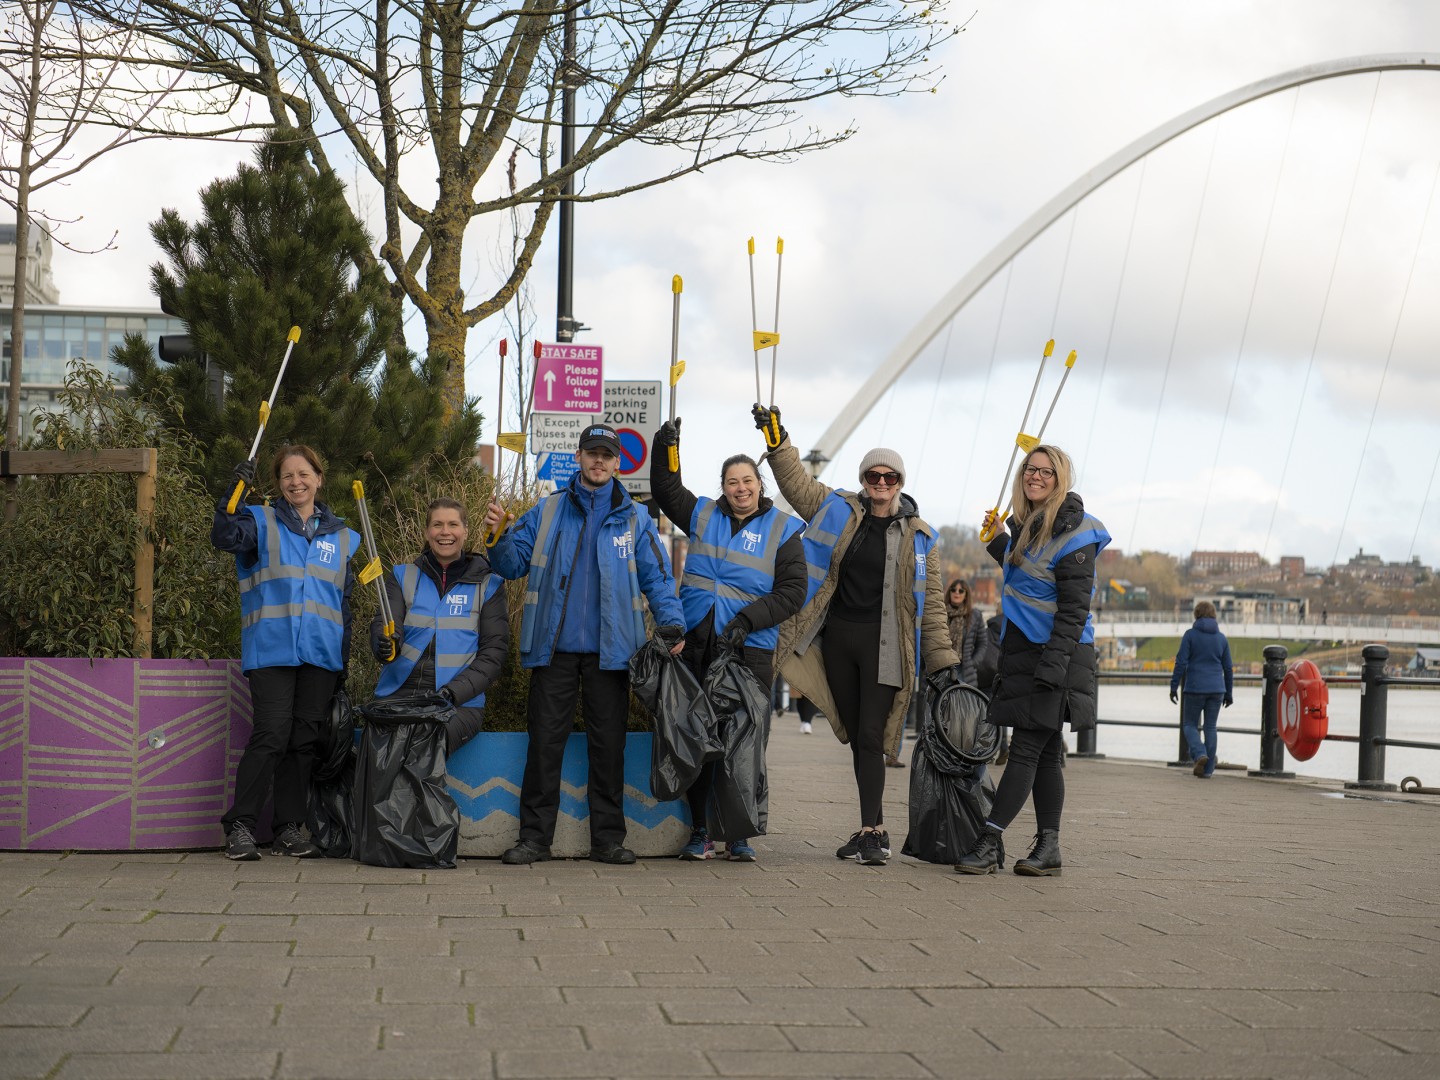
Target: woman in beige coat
{"points": [[852, 649]]}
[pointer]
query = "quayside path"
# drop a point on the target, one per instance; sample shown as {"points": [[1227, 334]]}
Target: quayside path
{"points": [[1229, 928]]}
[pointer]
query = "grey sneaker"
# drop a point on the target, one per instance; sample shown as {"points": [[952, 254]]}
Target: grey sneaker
{"points": [[240, 844], [291, 841]]}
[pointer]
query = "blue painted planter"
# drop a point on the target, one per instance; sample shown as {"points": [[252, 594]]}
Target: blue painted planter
{"points": [[485, 777]]}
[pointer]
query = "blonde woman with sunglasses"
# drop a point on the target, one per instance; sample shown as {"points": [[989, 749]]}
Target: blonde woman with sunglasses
{"points": [[1047, 654], [873, 620]]}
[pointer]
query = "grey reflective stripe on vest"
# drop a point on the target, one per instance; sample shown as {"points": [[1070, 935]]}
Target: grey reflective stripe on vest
{"points": [[290, 611], [539, 560], [764, 562]]}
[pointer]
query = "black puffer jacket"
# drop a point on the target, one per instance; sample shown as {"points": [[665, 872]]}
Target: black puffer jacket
{"points": [[1044, 684]]}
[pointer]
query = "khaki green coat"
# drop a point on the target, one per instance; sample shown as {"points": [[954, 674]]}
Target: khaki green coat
{"points": [[798, 654]]}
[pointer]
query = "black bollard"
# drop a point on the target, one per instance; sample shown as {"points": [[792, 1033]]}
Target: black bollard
{"points": [[1085, 737], [1182, 756], [1272, 747], [1373, 692]]}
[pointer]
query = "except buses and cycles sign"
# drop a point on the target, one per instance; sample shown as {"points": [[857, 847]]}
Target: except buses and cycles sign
{"points": [[570, 379], [632, 408]]}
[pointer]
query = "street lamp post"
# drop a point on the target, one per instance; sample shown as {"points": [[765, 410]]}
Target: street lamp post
{"points": [[815, 461]]}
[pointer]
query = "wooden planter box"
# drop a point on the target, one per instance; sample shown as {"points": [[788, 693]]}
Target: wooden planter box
{"points": [[140, 755]]}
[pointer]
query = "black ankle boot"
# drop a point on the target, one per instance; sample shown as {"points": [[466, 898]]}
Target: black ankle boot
{"points": [[986, 856], [1044, 857]]}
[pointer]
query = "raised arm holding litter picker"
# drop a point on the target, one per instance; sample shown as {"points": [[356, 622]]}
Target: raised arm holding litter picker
{"points": [[245, 471]]}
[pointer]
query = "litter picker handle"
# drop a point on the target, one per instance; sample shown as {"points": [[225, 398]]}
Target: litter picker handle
{"points": [[235, 496], [492, 536], [265, 406]]}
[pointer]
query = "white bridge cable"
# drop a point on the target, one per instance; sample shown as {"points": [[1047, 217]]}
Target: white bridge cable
{"points": [[1320, 323], [1064, 269], [1114, 311], [1420, 515], [1174, 333], [985, 393], [1385, 371], [1249, 311], [935, 395]]}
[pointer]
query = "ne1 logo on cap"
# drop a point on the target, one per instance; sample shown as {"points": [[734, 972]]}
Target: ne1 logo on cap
{"points": [[603, 432]]}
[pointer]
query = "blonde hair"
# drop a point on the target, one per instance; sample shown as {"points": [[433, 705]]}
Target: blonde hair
{"points": [[1035, 525]]}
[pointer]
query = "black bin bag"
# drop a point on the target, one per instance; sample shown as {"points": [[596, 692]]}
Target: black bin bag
{"points": [[951, 793], [739, 805], [682, 720], [404, 815], [332, 781]]}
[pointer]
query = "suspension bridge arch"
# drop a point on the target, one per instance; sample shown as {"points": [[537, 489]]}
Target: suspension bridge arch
{"points": [[960, 294]]}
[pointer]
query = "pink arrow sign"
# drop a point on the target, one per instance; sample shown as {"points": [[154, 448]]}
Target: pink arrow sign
{"points": [[570, 378]]}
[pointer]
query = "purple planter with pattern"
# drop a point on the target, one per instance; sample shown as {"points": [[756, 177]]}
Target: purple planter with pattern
{"points": [[118, 755]]}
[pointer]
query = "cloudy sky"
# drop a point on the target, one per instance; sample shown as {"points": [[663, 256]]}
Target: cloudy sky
{"points": [[1255, 308]]}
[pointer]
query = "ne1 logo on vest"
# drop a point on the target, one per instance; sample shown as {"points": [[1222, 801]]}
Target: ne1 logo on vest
{"points": [[625, 545], [752, 540], [327, 551], [456, 603]]}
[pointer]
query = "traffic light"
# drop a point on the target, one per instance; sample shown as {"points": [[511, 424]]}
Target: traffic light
{"points": [[178, 348]]}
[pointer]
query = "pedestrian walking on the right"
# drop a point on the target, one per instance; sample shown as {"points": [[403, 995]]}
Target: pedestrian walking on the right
{"points": [[1202, 668]]}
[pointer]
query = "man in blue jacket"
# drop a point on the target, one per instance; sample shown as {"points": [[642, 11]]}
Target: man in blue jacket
{"points": [[1203, 667], [593, 559]]}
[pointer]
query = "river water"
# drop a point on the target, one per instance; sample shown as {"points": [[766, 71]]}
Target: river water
{"points": [[1412, 714]]}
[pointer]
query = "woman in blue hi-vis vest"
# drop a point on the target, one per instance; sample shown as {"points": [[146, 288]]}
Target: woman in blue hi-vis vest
{"points": [[744, 576], [873, 620], [293, 560], [451, 623], [1046, 672]]}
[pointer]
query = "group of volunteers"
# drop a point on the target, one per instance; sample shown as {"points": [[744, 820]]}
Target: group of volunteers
{"points": [[842, 596]]}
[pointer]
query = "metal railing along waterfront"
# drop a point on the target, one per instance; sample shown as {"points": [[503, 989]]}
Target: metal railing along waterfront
{"points": [[1371, 741]]}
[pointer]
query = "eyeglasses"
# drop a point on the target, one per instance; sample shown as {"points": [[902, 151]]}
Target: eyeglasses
{"points": [[957, 588], [878, 478], [1036, 470]]}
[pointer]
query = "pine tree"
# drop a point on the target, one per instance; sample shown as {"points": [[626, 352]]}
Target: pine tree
{"points": [[276, 246]]}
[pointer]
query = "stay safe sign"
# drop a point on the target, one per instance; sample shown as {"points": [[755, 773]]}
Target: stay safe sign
{"points": [[570, 379]]}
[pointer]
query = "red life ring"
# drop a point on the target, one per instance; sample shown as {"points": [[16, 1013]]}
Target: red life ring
{"points": [[1302, 710]]}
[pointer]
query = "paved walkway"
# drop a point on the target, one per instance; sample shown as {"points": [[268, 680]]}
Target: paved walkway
{"points": [[1235, 928]]}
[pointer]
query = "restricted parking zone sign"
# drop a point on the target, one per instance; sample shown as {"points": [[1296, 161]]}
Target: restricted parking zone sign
{"points": [[632, 408]]}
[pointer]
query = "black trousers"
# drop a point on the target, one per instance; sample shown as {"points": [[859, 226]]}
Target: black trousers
{"points": [[605, 705], [289, 706], [762, 663], [1036, 764], [852, 670]]}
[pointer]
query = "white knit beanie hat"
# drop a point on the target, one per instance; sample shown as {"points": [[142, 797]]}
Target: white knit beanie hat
{"points": [[882, 456]]}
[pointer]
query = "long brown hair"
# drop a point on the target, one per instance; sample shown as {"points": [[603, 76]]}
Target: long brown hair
{"points": [[1036, 524], [965, 608]]}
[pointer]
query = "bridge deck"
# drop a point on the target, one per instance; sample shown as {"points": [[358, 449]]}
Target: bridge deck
{"points": [[1230, 928], [1400, 632]]}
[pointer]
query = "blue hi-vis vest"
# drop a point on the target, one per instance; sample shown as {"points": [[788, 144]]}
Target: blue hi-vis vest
{"points": [[1029, 603], [452, 622], [291, 599], [540, 555], [728, 572], [823, 533]]}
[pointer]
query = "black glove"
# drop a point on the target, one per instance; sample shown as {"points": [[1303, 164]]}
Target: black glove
{"points": [[245, 472], [385, 647], [1174, 698], [669, 433], [670, 635], [447, 694], [945, 678], [764, 418], [735, 631], [1229, 700]]}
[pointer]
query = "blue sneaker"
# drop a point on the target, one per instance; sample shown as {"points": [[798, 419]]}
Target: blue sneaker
{"points": [[700, 847], [739, 851]]}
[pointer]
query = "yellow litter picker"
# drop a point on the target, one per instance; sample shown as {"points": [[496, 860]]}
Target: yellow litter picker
{"points": [[1026, 442], [766, 339], [677, 367], [265, 407], [373, 571], [514, 441]]}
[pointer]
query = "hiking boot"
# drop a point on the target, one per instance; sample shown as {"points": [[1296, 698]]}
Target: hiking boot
{"points": [[851, 847], [699, 848], [526, 852], [289, 840], [240, 844], [1044, 857], [986, 856], [615, 854], [739, 851], [872, 851]]}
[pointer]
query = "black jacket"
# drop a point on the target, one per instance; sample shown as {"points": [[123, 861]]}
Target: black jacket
{"points": [[1043, 685], [787, 596], [484, 667]]}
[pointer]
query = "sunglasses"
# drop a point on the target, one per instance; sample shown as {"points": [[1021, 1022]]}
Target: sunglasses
{"points": [[878, 478]]}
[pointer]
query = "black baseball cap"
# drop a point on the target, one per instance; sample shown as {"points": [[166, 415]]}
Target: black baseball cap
{"points": [[600, 437]]}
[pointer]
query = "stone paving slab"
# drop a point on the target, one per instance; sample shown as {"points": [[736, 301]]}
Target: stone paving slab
{"points": [[1230, 928]]}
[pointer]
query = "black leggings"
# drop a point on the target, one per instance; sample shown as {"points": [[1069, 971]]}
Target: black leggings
{"points": [[1036, 764], [852, 669]]}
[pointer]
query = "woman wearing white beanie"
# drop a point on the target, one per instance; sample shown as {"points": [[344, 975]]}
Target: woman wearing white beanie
{"points": [[873, 613]]}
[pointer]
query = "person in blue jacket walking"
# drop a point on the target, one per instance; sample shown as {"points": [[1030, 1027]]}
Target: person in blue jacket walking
{"points": [[293, 560], [594, 559], [1202, 667]]}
